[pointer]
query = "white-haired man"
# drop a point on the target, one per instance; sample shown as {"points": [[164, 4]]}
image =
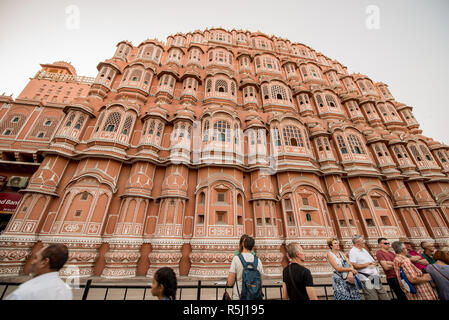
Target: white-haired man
{"points": [[368, 273]]}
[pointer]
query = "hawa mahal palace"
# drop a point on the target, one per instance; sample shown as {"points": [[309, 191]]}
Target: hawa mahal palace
{"points": [[175, 149]]}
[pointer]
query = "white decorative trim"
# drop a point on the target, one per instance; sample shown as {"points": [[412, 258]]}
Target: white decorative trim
{"points": [[69, 239], [210, 241], [313, 242], [269, 242], [123, 241], [18, 238], [167, 242], [108, 149]]}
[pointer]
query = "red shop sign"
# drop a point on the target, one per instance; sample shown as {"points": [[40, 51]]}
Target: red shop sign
{"points": [[9, 202]]}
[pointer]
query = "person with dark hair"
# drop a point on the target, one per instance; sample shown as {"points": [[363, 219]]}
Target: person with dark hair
{"points": [[164, 284], [439, 271], [235, 277], [386, 259], [242, 238], [428, 251], [45, 284]]}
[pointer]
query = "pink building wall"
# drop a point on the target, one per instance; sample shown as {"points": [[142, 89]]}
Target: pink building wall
{"points": [[176, 149]]}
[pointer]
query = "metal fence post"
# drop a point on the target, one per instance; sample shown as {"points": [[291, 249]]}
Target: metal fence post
{"points": [[4, 291], [198, 292], [86, 289]]}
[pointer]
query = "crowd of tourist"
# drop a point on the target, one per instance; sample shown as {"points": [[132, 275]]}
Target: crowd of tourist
{"points": [[411, 275]]}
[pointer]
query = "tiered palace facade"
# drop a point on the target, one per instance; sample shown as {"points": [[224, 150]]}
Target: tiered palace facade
{"points": [[176, 149]]}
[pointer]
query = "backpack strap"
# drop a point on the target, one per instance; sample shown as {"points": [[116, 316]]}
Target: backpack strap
{"points": [[245, 264], [255, 262], [242, 260]]}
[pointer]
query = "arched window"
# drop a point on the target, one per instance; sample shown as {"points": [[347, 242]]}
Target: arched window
{"points": [[319, 100], [127, 125], [147, 78], [292, 136], [112, 122], [397, 152], [232, 88], [209, 85], [159, 129], [356, 146], [331, 101], [206, 131], [84, 195], [183, 129], [221, 86], [276, 137], [442, 156], [251, 137], [151, 127], [304, 71], [377, 149], [416, 153], [362, 86], [222, 131], [342, 145], [70, 120], [425, 152], [79, 123], [135, 75], [260, 136], [363, 204], [265, 92], [236, 133], [202, 198], [278, 92]]}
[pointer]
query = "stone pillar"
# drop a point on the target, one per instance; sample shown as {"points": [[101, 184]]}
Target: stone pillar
{"points": [[168, 237], [127, 239], [266, 218]]}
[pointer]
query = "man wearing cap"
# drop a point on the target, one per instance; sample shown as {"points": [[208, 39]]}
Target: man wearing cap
{"points": [[418, 260]]}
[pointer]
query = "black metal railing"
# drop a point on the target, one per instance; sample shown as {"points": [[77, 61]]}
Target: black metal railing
{"points": [[199, 286]]}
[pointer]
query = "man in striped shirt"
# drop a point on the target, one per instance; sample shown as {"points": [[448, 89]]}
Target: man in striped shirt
{"points": [[420, 281]]}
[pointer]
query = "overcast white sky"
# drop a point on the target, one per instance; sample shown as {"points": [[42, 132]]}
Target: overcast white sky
{"points": [[409, 51]]}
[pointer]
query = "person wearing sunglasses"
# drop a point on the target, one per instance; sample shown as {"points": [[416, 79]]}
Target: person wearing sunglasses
{"points": [[386, 257]]}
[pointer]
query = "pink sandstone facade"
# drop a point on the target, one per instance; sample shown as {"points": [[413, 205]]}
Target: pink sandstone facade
{"points": [[176, 149]]}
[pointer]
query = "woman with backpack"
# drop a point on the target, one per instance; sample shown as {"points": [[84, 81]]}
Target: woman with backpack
{"points": [[245, 274]]}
